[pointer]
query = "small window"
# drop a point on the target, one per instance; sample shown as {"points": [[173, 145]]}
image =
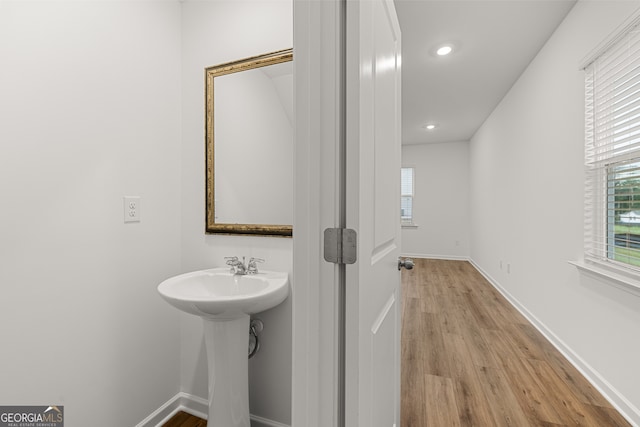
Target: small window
{"points": [[406, 196]]}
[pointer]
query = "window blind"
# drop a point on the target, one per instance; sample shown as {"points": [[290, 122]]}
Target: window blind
{"points": [[612, 154], [406, 193]]}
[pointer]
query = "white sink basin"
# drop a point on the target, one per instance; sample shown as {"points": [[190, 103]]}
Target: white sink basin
{"points": [[225, 301], [218, 294]]}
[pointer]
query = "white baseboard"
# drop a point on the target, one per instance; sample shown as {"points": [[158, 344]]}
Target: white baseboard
{"points": [[257, 421], [193, 405], [618, 400], [432, 256], [189, 403]]}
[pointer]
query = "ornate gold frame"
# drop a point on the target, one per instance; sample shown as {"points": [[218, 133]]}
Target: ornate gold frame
{"points": [[211, 227]]}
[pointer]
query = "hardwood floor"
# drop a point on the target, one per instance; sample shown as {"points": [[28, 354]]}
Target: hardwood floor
{"points": [[182, 419], [470, 359]]}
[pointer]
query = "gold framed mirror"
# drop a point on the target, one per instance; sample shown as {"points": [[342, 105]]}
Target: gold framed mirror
{"points": [[249, 146]]}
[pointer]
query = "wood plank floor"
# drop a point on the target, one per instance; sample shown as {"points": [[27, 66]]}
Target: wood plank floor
{"points": [[182, 419], [470, 359]]}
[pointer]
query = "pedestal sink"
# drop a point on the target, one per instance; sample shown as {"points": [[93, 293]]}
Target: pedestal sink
{"points": [[225, 301]]}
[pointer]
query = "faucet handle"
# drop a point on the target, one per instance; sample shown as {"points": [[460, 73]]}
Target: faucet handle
{"points": [[252, 267], [233, 262]]}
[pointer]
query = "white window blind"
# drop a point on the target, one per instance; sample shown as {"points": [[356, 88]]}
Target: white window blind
{"points": [[406, 195], [612, 154]]}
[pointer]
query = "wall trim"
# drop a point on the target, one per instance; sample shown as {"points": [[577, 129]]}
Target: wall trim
{"points": [[432, 256], [193, 405], [186, 402], [627, 409], [606, 275], [257, 421]]}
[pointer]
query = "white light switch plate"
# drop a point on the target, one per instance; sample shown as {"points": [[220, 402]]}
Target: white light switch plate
{"points": [[131, 208]]}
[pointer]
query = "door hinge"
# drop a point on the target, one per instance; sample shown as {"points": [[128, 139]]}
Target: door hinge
{"points": [[340, 245]]}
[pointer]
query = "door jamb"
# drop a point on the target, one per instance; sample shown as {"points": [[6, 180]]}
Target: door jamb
{"points": [[315, 370]]}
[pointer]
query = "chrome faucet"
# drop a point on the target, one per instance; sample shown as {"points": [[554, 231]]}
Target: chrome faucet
{"points": [[237, 266], [240, 267], [252, 268]]}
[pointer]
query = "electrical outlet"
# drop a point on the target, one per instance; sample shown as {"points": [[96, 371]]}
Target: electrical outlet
{"points": [[131, 208]]}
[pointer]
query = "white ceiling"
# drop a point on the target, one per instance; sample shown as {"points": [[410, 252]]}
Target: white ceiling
{"points": [[494, 40]]}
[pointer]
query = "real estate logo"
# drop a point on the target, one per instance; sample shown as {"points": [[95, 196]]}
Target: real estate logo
{"points": [[31, 416]]}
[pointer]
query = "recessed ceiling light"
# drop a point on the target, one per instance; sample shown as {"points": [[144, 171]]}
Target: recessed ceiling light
{"points": [[444, 50], [430, 127]]}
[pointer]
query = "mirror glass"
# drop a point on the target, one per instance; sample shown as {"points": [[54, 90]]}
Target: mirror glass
{"points": [[249, 144]]}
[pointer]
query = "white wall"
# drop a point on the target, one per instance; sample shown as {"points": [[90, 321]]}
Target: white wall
{"points": [[441, 202], [89, 112], [214, 33], [526, 167]]}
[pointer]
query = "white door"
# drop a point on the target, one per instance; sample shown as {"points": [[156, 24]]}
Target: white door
{"points": [[373, 210]]}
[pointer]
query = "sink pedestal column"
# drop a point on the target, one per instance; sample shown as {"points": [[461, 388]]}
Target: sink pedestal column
{"points": [[227, 348]]}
